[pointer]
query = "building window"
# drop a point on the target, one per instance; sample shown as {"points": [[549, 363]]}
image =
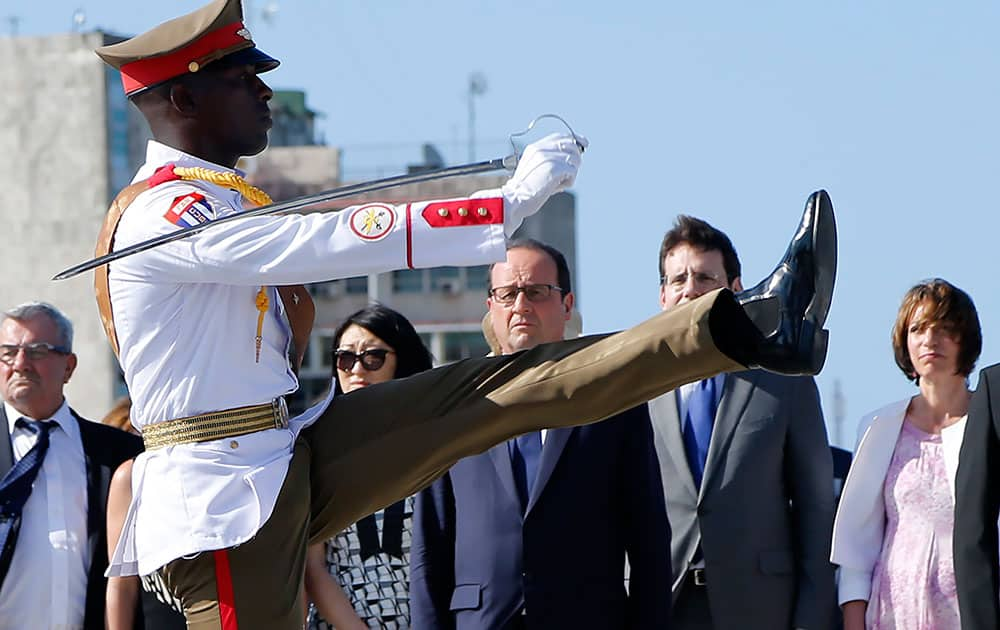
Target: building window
{"points": [[446, 279], [464, 345], [477, 278], [357, 285], [408, 281], [325, 343]]}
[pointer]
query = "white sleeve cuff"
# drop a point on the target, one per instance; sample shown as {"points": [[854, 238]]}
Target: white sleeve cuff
{"points": [[854, 584]]}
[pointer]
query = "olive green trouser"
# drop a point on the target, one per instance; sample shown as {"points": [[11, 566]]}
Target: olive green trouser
{"points": [[379, 444]]}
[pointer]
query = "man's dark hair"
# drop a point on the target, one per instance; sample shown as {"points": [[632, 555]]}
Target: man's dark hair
{"points": [[704, 237], [562, 268]]}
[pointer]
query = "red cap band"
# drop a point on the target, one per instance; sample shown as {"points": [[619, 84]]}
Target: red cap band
{"points": [[148, 72]]}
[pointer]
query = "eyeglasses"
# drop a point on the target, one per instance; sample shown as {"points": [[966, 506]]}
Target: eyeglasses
{"points": [[532, 292], [371, 360], [701, 279], [32, 351]]}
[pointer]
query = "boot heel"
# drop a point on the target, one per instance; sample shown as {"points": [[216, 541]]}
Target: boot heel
{"points": [[813, 343]]}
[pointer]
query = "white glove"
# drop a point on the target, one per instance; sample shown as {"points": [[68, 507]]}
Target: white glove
{"points": [[545, 168]]}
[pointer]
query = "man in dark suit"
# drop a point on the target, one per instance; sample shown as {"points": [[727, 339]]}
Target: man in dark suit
{"points": [[534, 532], [977, 505], [52, 531], [747, 474]]}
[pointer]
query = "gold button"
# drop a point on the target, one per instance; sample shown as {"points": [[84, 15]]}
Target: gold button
{"points": [[483, 212], [193, 66], [234, 444], [462, 212], [442, 212]]}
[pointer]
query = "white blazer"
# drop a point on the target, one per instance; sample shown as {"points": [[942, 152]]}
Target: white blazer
{"points": [[859, 527]]}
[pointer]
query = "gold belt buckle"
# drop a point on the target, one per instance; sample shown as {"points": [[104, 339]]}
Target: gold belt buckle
{"points": [[280, 409]]}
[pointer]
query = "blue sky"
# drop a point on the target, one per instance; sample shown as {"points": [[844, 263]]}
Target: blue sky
{"points": [[733, 112]]}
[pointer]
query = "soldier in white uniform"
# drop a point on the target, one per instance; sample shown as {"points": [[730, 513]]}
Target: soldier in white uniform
{"points": [[230, 490]]}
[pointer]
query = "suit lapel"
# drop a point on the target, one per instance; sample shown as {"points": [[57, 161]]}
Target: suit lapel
{"points": [[500, 454], [555, 442], [98, 480], [6, 449], [735, 397], [665, 415]]}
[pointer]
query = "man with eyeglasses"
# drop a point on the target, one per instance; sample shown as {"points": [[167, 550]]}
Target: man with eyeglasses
{"points": [[747, 473], [536, 530], [55, 468]]}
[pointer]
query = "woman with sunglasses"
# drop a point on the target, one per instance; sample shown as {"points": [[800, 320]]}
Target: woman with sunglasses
{"points": [[374, 345]]}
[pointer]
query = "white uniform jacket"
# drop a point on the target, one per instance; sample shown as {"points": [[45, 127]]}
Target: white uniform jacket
{"points": [[859, 527], [186, 321]]}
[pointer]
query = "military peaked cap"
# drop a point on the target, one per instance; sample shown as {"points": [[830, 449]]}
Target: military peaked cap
{"points": [[186, 44]]}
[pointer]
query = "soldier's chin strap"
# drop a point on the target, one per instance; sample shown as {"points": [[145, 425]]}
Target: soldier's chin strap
{"points": [[508, 162]]}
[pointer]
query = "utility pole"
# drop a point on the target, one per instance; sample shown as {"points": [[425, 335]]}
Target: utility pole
{"points": [[839, 410], [13, 22], [477, 87]]}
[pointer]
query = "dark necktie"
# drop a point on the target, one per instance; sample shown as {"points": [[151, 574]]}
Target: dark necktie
{"points": [[698, 426], [525, 452], [15, 488]]}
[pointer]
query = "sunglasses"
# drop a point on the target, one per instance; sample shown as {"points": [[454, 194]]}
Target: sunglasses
{"points": [[371, 360]]}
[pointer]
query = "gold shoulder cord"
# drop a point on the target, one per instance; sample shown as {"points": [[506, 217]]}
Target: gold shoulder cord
{"points": [[257, 197]]}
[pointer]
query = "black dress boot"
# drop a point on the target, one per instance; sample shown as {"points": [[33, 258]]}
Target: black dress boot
{"points": [[789, 307]]}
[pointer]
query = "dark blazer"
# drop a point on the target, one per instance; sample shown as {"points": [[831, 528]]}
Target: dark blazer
{"points": [[977, 504], [104, 449], [475, 561], [763, 516]]}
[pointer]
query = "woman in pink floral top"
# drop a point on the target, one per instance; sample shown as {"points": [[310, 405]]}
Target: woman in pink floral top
{"points": [[893, 532]]}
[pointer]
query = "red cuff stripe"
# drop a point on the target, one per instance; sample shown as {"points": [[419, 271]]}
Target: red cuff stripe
{"points": [[224, 586], [409, 238], [464, 212]]}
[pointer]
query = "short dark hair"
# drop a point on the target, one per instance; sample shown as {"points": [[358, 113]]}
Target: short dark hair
{"points": [[702, 236], [562, 268], [389, 325], [943, 303]]}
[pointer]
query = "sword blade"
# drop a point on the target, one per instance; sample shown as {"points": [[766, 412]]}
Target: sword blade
{"points": [[292, 205]]}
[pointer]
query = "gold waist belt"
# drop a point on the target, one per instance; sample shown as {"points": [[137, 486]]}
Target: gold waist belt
{"points": [[217, 425]]}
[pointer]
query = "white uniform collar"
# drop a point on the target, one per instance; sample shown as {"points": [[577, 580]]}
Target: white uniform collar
{"points": [[158, 154]]}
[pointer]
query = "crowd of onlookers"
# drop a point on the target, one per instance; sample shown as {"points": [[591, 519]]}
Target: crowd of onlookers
{"points": [[715, 502]]}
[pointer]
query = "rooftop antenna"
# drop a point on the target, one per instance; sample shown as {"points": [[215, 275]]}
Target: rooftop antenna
{"points": [[269, 13], [13, 22], [477, 87], [79, 19]]}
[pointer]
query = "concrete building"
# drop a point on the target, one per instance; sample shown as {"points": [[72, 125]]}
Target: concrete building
{"points": [[70, 141]]}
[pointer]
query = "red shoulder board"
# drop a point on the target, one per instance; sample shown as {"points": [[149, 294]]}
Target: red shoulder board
{"points": [[162, 175], [464, 212]]}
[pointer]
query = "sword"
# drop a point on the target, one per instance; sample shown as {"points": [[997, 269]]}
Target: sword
{"points": [[508, 162]]}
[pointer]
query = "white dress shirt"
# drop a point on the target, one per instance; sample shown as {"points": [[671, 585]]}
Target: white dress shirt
{"points": [[47, 583], [186, 321]]}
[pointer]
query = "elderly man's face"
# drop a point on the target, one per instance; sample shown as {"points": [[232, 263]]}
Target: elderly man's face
{"points": [[529, 319], [33, 384]]}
